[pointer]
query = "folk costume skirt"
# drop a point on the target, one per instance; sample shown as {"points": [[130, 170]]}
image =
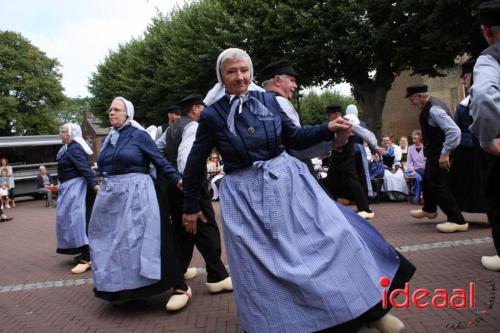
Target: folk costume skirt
{"points": [[71, 216], [131, 244], [299, 262]]}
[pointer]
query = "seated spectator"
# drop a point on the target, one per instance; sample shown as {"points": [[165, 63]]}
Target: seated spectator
{"points": [[403, 145], [394, 180], [45, 185], [415, 164], [215, 174], [213, 164]]}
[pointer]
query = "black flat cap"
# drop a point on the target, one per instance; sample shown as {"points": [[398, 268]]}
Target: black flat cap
{"points": [[279, 67], [174, 109], [416, 89], [187, 102], [489, 13], [468, 66], [332, 108]]}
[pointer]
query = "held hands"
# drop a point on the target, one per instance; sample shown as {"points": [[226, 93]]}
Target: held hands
{"points": [[97, 188], [339, 124], [494, 148], [189, 221], [342, 129], [180, 184], [444, 162]]}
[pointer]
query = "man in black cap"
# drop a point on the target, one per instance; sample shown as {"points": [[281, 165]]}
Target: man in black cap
{"points": [[280, 79], [485, 110], [440, 135], [179, 140], [173, 114], [342, 180]]}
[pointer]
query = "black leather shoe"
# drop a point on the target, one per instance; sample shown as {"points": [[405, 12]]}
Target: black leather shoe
{"points": [[6, 219]]}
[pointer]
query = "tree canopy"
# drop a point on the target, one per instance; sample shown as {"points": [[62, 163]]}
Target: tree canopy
{"points": [[312, 106], [364, 42], [29, 87]]}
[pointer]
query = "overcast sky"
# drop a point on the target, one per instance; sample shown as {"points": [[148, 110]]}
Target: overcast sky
{"points": [[80, 33]]}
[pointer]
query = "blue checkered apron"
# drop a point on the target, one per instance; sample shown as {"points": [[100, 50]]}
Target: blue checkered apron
{"points": [[299, 261]]}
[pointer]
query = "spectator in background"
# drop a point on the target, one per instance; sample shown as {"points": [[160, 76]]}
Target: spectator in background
{"points": [[45, 185], [4, 189], [394, 179], [403, 146], [415, 163], [215, 174], [4, 164], [3, 217]]}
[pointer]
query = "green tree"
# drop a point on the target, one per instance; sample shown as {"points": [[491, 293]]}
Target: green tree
{"points": [[364, 42], [71, 110], [29, 87], [312, 105]]}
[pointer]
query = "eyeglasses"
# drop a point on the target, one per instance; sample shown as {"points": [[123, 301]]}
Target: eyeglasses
{"points": [[115, 110]]}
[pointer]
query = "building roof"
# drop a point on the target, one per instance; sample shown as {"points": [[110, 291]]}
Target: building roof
{"points": [[29, 140]]}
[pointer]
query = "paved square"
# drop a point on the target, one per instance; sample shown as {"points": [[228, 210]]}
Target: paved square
{"points": [[39, 294]]}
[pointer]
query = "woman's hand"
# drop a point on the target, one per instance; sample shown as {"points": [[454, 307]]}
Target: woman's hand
{"points": [[189, 221], [180, 184], [97, 188]]}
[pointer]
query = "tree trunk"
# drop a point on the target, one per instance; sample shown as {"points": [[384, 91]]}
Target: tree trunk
{"points": [[371, 95]]}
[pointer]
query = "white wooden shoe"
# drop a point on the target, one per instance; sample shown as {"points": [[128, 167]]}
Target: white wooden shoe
{"points": [[81, 268], [419, 213], [217, 287], [191, 273], [452, 227], [491, 262], [179, 299], [366, 215], [389, 324]]}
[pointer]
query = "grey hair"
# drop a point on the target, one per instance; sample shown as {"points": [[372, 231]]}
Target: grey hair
{"points": [[269, 81], [232, 54]]}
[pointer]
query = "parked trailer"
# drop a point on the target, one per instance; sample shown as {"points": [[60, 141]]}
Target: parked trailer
{"points": [[25, 155]]}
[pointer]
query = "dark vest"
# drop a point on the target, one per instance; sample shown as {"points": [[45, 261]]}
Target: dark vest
{"points": [[174, 138], [432, 136], [164, 128], [494, 51], [342, 158]]}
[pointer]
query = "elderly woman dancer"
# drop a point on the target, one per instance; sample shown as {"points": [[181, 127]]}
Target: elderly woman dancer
{"points": [[75, 175], [300, 262], [131, 254]]}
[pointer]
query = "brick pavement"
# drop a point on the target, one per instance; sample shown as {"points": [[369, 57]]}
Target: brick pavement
{"points": [[50, 299]]}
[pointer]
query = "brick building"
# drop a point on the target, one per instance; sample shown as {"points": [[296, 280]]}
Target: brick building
{"points": [[400, 118]]}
